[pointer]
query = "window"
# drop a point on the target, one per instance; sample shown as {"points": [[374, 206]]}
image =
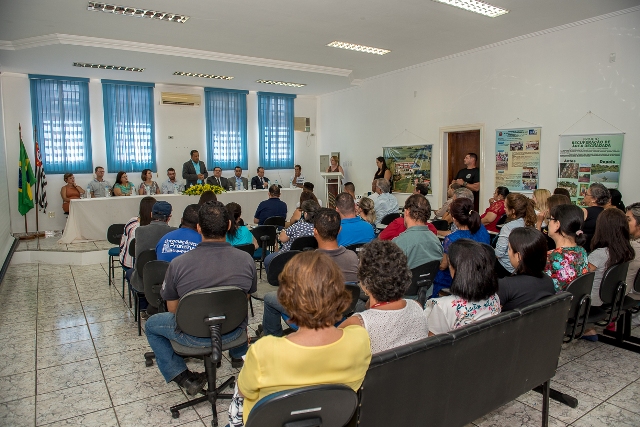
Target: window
{"points": [[226, 118], [129, 125], [275, 124], [60, 113]]}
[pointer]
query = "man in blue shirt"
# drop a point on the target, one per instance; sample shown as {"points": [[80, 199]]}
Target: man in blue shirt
{"points": [[194, 171], [183, 239], [273, 206], [354, 229]]}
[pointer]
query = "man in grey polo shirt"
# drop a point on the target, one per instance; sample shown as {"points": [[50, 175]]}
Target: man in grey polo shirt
{"points": [[213, 263], [418, 243], [99, 187]]}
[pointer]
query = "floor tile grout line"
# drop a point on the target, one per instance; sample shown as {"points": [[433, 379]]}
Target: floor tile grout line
{"points": [[35, 373]]}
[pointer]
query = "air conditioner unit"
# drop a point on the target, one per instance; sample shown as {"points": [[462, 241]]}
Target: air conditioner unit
{"points": [[302, 124], [171, 98]]}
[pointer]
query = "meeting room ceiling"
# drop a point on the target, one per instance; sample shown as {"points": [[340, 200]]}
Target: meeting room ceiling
{"points": [[281, 40]]}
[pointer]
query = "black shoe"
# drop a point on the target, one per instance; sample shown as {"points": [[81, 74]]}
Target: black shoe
{"points": [[237, 363], [194, 383]]}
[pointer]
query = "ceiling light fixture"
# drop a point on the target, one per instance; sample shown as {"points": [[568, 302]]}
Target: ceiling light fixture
{"points": [[476, 6], [206, 76], [277, 83], [358, 48], [139, 13], [107, 67]]}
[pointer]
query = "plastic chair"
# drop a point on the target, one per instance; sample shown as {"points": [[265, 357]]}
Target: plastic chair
{"points": [[389, 218], [141, 261], [422, 280], [277, 265], [266, 237], [328, 405], [305, 243], [276, 221], [114, 234], [132, 254], [440, 224], [580, 288]]}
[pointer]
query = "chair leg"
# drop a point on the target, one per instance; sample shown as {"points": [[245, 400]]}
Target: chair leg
{"points": [[565, 399], [251, 305], [545, 403], [136, 313], [109, 266], [123, 280]]}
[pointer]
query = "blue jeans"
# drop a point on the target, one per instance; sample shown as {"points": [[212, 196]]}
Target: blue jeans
{"points": [[161, 330], [271, 319]]}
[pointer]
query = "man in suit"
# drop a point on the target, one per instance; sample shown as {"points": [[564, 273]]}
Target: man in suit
{"points": [[194, 171], [218, 179], [238, 180], [260, 182]]}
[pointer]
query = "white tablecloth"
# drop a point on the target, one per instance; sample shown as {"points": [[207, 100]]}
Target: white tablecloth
{"points": [[89, 218]]}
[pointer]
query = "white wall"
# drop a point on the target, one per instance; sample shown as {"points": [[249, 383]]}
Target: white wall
{"points": [[551, 80], [185, 124]]}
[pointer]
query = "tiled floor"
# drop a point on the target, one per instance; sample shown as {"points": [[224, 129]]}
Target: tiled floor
{"points": [[50, 243], [70, 355]]}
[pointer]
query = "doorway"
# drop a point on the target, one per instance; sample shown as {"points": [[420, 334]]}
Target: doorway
{"points": [[458, 141]]}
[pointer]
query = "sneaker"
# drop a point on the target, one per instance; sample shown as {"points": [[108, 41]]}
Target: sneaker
{"points": [[237, 363], [194, 383]]}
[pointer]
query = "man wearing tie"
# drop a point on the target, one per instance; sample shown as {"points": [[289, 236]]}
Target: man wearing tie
{"points": [[218, 179], [260, 182], [194, 171]]}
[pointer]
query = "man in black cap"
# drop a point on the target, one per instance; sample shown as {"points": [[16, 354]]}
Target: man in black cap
{"points": [[148, 236]]}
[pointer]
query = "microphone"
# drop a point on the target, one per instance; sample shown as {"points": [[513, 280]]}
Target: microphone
{"points": [[279, 185]]}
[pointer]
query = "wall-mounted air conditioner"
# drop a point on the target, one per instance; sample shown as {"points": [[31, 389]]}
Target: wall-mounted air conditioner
{"points": [[171, 98]]}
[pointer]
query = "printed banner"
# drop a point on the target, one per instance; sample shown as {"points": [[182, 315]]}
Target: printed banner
{"points": [[409, 166], [518, 158], [585, 159]]}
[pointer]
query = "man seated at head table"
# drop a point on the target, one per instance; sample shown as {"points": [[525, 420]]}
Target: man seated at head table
{"points": [[171, 185], [99, 187], [192, 271], [326, 227], [260, 181], [237, 181], [273, 206], [218, 179]]}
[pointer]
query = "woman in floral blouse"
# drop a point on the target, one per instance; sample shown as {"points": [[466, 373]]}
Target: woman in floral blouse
{"points": [[473, 289], [494, 212], [569, 259]]}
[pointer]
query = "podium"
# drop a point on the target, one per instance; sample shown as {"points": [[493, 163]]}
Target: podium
{"points": [[331, 178]]}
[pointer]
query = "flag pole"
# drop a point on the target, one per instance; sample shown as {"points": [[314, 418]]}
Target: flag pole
{"points": [[26, 235], [38, 232]]}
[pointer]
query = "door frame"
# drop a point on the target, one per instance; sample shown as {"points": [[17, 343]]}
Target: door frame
{"points": [[444, 171]]}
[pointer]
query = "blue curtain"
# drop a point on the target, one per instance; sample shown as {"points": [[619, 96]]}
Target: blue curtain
{"points": [[60, 114], [275, 126], [226, 119], [129, 125]]}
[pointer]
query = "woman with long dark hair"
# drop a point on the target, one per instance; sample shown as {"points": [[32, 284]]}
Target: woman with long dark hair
{"points": [[528, 284], [238, 234], [383, 172], [473, 289], [468, 226]]}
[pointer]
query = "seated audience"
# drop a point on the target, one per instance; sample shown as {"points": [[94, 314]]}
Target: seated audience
{"points": [[633, 219], [397, 226], [562, 191], [520, 213], [473, 289], [553, 200], [70, 191], [313, 293], [143, 218], [260, 181], [596, 198], [308, 186], [148, 185], [207, 196], [354, 229], [418, 242], [123, 187], [528, 284], [468, 226], [326, 226], [273, 206], [192, 271], [391, 321], [171, 185], [350, 188], [183, 239], [460, 193], [494, 212], [297, 214], [301, 228], [366, 210], [610, 246], [238, 233], [385, 203], [439, 214], [99, 187], [422, 188], [616, 200], [569, 259], [540, 197]]}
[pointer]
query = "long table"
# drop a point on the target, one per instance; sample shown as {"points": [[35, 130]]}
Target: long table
{"points": [[89, 219]]}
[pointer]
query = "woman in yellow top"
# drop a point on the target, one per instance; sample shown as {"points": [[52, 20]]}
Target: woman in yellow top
{"points": [[313, 293]]}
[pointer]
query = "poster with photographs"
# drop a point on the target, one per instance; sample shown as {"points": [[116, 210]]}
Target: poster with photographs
{"points": [[409, 166], [585, 159], [518, 158]]}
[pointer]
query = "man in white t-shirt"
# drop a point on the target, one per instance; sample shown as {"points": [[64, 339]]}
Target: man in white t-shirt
{"points": [[297, 179]]}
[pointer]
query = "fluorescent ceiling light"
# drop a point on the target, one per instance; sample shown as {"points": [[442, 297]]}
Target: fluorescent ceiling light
{"points": [[107, 67], [139, 13], [206, 76], [274, 82], [358, 48], [476, 6]]}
